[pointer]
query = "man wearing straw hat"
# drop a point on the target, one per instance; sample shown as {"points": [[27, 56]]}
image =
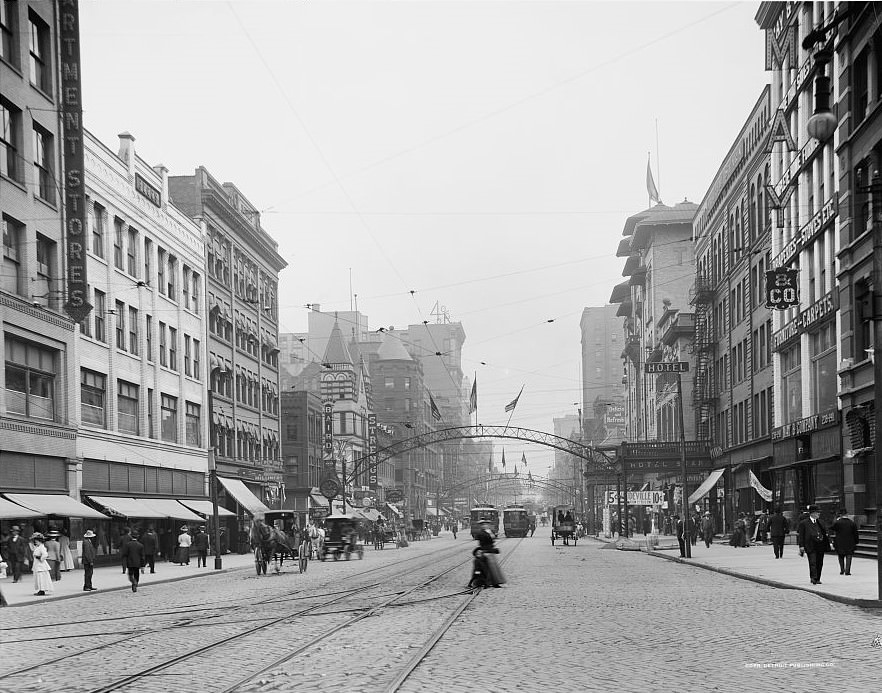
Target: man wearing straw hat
{"points": [[88, 557]]}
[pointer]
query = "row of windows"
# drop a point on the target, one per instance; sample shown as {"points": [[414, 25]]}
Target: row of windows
{"points": [[127, 335], [245, 445], [94, 394], [38, 41], [14, 163], [185, 287], [747, 421]]}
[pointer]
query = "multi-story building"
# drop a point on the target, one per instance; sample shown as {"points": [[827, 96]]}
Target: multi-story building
{"points": [[141, 374], [302, 436], [803, 194], [242, 271], [859, 148], [733, 391], [660, 269], [39, 406], [602, 403]]}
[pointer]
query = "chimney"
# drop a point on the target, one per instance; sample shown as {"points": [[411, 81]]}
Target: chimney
{"points": [[127, 152], [163, 174]]}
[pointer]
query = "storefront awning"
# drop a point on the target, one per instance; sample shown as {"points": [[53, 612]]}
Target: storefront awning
{"points": [[203, 507], [796, 463], [243, 496], [706, 486], [127, 507], [394, 510], [55, 504], [171, 508], [316, 501], [371, 514], [13, 511]]}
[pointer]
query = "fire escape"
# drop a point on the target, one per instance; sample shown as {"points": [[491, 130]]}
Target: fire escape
{"points": [[703, 344]]}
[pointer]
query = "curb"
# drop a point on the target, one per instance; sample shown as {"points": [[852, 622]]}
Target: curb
{"points": [[851, 601], [126, 588]]}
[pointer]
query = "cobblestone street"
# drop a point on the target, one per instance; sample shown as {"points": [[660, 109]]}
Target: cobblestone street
{"points": [[569, 617]]}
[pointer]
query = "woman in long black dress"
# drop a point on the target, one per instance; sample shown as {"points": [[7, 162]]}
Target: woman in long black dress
{"points": [[486, 570]]}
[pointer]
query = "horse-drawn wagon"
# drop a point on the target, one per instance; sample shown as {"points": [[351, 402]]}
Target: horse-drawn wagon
{"points": [[276, 537], [563, 525]]}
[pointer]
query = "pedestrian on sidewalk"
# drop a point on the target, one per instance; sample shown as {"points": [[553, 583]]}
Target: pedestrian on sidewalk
{"points": [[813, 540], [200, 543], [762, 531], [151, 548], [133, 556], [16, 552], [707, 529], [845, 540], [779, 528], [53, 555], [682, 534], [124, 539], [88, 557], [42, 580], [184, 542], [67, 559]]}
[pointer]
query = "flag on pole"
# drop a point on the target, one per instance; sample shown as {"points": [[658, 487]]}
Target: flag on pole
{"points": [[490, 465], [436, 413], [530, 477], [473, 398], [524, 458], [511, 405], [516, 471], [503, 458], [650, 183]]}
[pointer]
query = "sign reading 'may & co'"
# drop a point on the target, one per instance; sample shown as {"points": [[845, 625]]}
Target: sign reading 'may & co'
{"points": [[806, 425]]}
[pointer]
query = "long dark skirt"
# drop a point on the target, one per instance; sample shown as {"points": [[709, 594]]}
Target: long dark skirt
{"points": [[486, 571], [183, 555]]}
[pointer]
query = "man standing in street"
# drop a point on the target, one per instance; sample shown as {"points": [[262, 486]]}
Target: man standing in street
{"points": [[151, 548], [682, 534], [87, 555], [133, 558], [811, 535], [778, 529], [200, 543], [16, 552]]}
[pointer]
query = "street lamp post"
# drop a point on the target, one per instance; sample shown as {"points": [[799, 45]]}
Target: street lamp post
{"points": [[212, 465]]}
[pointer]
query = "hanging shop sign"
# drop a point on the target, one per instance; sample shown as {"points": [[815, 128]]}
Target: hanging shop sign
{"points": [[372, 451], [77, 305], [806, 320], [808, 232], [782, 288], [328, 437], [637, 497]]}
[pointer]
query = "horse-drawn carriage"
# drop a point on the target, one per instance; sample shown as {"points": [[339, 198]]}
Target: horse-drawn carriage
{"points": [[341, 537], [275, 538], [563, 525]]}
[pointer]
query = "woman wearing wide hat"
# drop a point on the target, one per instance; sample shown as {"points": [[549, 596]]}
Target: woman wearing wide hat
{"points": [[42, 580], [184, 542]]}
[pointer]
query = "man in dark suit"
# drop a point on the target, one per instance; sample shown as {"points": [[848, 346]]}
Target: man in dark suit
{"points": [[151, 548], [16, 552], [845, 540], [811, 535], [133, 558], [778, 529]]}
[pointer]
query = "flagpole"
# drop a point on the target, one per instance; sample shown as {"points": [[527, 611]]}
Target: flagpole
{"points": [[657, 160], [511, 413]]}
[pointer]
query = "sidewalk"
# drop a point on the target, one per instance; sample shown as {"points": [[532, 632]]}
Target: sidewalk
{"points": [[110, 577], [758, 563]]}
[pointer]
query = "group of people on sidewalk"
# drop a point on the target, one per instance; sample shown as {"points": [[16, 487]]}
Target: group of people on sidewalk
{"points": [[48, 555], [814, 539]]}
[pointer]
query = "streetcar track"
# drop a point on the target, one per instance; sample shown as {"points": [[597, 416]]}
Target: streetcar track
{"points": [[299, 594]]}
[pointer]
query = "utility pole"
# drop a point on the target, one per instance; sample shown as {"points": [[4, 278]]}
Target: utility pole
{"points": [[685, 498]]}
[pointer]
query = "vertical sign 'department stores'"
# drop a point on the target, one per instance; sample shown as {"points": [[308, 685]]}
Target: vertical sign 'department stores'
{"points": [[77, 305]]}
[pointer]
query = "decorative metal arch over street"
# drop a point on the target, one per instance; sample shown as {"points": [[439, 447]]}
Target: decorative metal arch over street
{"points": [[602, 459]]}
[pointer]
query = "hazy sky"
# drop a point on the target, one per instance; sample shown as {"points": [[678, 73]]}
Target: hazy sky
{"points": [[481, 155]]}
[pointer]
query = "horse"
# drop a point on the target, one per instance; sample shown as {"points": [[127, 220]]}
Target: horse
{"points": [[271, 544], [317, 540]]}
